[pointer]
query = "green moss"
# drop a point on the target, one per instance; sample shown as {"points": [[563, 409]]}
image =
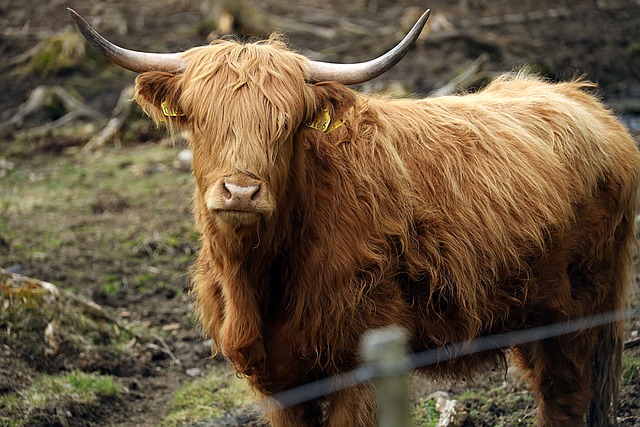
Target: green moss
{"points": [[210, 397], [56, 54], [630, 369], [23, 319], [425, 413], [26, 314], [633, 49], [18, 409]]}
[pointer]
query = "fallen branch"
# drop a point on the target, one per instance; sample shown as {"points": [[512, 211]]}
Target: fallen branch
{"points": [[632, 343], [43, 97], [462, 80], [111, 132], [253, 19], [518, 18], [259, 21]]}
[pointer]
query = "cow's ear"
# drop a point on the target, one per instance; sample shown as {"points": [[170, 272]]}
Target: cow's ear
{"points": [[334, 96], [158, 94]]}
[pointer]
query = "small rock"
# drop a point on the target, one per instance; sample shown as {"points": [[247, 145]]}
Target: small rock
{"points": [[38, 256], [50, 337], [452, 412], [15, 268], [184, 160], [194, 372], [154, 169], [438, 394], [171, 327], [5, 167]]}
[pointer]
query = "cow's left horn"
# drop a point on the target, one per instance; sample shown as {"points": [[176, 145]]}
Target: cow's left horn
{"points": [[138, 62], [351, 74]]}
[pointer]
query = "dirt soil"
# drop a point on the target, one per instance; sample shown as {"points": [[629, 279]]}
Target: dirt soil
{"points": [[130, 250]]}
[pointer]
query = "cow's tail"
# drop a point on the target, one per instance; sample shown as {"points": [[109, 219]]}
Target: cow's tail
{"points": [[605, 382]]}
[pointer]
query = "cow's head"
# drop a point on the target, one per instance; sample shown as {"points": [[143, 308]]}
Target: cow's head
{"points": [[242, 105]]}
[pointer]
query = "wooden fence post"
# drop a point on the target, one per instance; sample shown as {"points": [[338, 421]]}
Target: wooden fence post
{"points": [[385, 351]]}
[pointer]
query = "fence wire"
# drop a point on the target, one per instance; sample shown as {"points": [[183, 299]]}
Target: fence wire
{"points": [[365, 373]]}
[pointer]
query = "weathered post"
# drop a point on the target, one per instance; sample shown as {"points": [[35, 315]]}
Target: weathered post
{"points": [[384, 350]]}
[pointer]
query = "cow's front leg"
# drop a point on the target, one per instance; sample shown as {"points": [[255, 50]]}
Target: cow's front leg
{"points": [[241, 337], [354, 406], [308, 414], [242, 344]]}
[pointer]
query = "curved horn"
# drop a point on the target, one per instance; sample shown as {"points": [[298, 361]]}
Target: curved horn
{"points": [[138, 62], [350, 74]]}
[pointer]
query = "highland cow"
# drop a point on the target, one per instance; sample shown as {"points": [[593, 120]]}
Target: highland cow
{"points": [[325, 212]]}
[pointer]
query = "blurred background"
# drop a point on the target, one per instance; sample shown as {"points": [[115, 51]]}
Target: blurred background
{"points": [[96, 236]]}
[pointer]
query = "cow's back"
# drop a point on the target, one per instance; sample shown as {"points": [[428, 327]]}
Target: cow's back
{"points": [[502, 179]]}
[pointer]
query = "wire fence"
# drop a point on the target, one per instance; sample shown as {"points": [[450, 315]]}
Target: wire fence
{"points": [[367, 372]]}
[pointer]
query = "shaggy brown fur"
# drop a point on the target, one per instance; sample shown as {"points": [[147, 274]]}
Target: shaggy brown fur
{"points": [[454, 217]]}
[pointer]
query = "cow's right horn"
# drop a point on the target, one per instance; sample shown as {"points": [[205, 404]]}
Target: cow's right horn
{"points": [[350, 74], [138, 62]]}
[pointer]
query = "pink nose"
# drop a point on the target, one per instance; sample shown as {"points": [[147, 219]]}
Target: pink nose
{"points": [[237, 197]]}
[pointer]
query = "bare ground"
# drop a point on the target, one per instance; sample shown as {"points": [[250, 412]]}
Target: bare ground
{"points": [[119, 231]]}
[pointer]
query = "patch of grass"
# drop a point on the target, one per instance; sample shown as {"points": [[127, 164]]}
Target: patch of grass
{"points": [[499, 407], [144, 281], [425, 413], [20, 408], [630, 369], [210, 397], [113, 285], [74, 205]]}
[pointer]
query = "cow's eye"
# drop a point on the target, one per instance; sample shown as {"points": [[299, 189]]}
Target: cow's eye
{"points": [[286, 123]]}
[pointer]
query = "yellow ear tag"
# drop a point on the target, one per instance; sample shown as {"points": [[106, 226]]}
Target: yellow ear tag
{"points": [[322, 121], [170, 111]]}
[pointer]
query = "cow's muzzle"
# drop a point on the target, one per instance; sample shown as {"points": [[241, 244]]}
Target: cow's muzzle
{"points": [[239, 200], [239, 197]]}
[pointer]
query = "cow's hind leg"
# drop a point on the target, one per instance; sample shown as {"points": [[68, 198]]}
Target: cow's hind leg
{"points": [[578, 374], [559, 372]]}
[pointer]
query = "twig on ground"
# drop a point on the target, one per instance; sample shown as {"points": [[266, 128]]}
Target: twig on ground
{"points": [[166, 349], [111, 131]]}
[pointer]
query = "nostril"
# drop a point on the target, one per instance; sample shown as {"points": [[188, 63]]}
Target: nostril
{"points": [[256, 194], [226, 192]]}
